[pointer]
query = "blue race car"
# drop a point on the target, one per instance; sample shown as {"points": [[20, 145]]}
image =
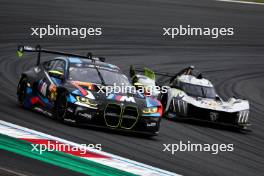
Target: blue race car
{"points": [[71, 88]]}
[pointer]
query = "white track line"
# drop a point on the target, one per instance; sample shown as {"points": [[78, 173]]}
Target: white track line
{"points": [[115, 161], [241, 2], [12, 172]]}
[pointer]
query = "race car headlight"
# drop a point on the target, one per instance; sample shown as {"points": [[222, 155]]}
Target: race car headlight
{"points": [[150, 110], [86, 101]]}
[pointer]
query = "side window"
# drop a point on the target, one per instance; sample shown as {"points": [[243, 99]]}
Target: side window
{"points": [[59, 66], [48, 65], [177, 84]]}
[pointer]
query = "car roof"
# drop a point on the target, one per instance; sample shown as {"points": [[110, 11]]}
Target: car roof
{"points": [[76, 60], [190, 79]]}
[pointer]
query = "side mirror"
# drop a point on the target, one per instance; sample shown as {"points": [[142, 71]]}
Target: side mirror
{"points": [[56, 74]]}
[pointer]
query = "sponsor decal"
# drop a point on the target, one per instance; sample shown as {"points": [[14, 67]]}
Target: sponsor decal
{"points": [[152, 124], [122, 98], [88, 116], [213, 116]]}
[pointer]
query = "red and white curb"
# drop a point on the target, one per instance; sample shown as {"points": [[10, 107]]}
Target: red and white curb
{"points": [[92, 154]]}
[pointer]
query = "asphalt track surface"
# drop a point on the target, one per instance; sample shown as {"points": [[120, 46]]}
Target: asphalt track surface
{"points": [[18, 165], [132, 34]]}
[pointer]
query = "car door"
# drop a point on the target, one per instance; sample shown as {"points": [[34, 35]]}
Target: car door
{"points": [[52, 78]]}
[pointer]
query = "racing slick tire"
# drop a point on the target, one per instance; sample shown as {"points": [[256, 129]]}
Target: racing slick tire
{"points": [[22, 90], [163, 100], [61, 105]]}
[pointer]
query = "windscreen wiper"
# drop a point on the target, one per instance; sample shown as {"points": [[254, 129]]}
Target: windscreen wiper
{"points": [[100, 76]]}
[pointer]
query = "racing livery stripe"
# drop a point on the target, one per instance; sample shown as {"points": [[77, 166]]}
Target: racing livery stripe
{"points": [[83, 92], [96, 156]]}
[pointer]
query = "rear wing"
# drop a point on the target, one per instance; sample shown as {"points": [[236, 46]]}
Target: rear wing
{"points": [[21, 49], [148, 72], [151, 74]]}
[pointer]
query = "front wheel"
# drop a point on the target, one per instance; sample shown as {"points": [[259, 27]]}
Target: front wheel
{"points": [[163, 100], [61, 107], [22, 90]]}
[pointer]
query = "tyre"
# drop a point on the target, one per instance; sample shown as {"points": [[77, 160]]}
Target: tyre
{"points": [[163, 100], [61, 107], [22, 90]]}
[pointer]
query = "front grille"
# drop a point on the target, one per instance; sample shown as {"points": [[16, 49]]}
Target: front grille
{"points": [[211, 115], [129, 117], [112, 115]]}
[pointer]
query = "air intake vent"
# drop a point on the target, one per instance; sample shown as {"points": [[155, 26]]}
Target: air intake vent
{"points": [[112, 115], [129, 117]]}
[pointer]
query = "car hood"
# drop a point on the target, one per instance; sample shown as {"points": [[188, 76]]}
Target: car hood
{"points": [[232, 105], [93, 91]]}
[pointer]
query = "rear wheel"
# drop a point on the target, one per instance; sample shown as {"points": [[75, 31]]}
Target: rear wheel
{"points": [[163, 100], [61, 107], [22, 90]]}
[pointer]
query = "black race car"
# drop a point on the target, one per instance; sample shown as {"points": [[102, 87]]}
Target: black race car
{"points": [[72, 88]]}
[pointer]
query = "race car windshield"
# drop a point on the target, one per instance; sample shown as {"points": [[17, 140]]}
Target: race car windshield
{"points": [[85, 74], [198, 91]]}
